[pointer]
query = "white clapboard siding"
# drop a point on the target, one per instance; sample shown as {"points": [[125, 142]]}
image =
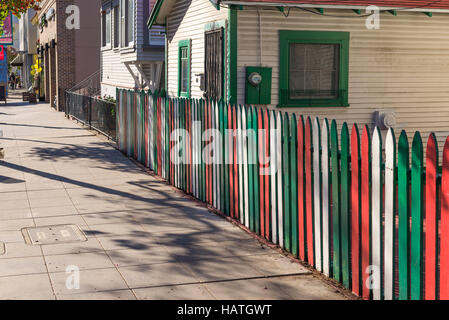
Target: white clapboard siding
{"points": [[187, 20], [325, 196], [400, 67], [317, 191], [390, 190], [376, 212], [279, 182], [113, 69], [274, 172]]}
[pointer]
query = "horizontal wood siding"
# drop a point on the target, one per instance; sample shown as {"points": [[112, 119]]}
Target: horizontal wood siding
{"points": [[403, 67], [187, 20]]}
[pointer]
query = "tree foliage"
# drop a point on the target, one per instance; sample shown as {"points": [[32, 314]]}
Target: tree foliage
{"points": [[17, 7]]}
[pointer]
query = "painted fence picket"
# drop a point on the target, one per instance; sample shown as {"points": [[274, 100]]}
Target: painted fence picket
{"points": [[325, 197], [286, 181], [431, 240], [336, 236], [240, 166], [416, 206], [280, 191], [273, 176], [344, 206], [235, 164], [245, 166], [376, 213], [365, 150], [404, 217], [317, 192], [301, 190], [256, 173], [266, 172], [444, 225], [390, 215], [251, 152], [309, 190], [294, 186]]}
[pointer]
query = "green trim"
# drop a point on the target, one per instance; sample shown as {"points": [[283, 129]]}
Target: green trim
{"points": [[429, 14], [232, 54], [286, 37], [393, 12], [166, 58], [215, 25], [358, 11], [320, 10], [184, 44], [154, 13], [215, 4]]}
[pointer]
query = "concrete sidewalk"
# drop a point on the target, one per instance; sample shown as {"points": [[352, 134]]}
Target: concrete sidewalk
{"points": [[144, 239]]}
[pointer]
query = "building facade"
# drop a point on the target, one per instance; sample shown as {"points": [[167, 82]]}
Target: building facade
{"points": [[315, 58], [131, 56], [27, 46], [70, 39]]}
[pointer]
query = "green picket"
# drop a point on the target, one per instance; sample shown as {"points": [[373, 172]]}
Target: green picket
{"points": [[404, 216], [251, 151], [294, 185], [344, 206], [286, 182], [416, 258], [335, 202], [256, 173], [226, 159]]}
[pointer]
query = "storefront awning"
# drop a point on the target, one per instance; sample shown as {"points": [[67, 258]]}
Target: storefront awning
{"points": [[17, 61]]}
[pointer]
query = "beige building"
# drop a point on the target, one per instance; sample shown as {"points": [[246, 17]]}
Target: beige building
{"points": [[69, 39], [315, 58]]}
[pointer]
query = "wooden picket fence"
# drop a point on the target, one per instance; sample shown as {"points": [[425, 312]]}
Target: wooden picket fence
{"points": [[374, 219]]}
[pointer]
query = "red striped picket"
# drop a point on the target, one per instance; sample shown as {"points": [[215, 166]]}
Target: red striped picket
{"points": [[355, 209], [376, 213], [266, 171], [365, 211], [280, 190], [273, 177], [301, 190], [240, 164], [444, 225], [431, 237], [309, 191], [245, 167], [235, 163]]}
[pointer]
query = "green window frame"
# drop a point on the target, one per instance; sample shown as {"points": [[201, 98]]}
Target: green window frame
{"points": [[287, 37], [184, 46]]}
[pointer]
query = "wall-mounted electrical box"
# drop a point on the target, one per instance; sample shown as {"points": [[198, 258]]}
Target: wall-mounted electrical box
{"points": [[258, 85]]}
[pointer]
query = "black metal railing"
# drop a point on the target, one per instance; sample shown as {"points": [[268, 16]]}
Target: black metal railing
{"points": [[93, 112]]}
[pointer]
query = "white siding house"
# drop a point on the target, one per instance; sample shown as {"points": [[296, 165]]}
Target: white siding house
{"points": [[319, 58], [131, 56]]}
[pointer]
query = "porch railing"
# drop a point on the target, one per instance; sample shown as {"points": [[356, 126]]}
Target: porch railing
{"points": [[377, 222]]}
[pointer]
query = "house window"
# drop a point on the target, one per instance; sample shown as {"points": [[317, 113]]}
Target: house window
{"points": [[313, 69], [106, 24], [184, 68], [127, 23], [116, 26]]}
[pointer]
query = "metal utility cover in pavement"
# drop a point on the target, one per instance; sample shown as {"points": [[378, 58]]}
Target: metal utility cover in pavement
{"points": [[53, 234]]}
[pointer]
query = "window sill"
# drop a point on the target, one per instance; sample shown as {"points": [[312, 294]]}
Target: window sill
{"points": [[316, 105], [106, 48], [126, 50]]}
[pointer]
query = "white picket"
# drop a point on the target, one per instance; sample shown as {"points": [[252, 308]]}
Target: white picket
{"points": [[240, 163], [217, 157], [390, 190], [325, 196], [376, 213], [279, 176], [213, 166], [245, 166], [150, 133], [317, 189]]}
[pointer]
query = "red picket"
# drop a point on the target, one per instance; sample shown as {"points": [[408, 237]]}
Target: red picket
{"points": [[444, 226], [309, 195], [301, 189], [365, 213], [431, 219], [355, 209]]}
